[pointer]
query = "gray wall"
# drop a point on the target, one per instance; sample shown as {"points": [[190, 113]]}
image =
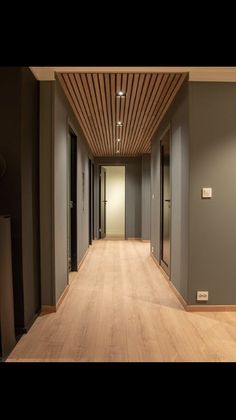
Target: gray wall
{"points": [[178, 119], [54, 137], [146, 197], [212, 262], [133, 185], [19, 186]]}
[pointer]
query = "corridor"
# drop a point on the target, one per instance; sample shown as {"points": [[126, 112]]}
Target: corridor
{"points": [[120, 308]]}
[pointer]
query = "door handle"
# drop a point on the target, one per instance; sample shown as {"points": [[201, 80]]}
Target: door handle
{"points": [[168, 201]]}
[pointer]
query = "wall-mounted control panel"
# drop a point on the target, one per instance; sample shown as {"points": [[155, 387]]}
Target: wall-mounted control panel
{"points": [[206, 192]]}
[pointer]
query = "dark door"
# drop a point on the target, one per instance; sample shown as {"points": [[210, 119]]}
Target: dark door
{"points": [[102, 227], [72, 203], [165, 202]]}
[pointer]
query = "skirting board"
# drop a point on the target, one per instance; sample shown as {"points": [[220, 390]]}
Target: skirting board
{"points": [[194, 308], [134, 239], [47, 309], [83, 258]]}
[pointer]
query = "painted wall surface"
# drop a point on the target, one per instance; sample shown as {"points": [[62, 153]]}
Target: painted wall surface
{"points": [[19, 186], [212, 262], [178, 119], [56, 118], [146, 196], [115, 196], [133, 185]]}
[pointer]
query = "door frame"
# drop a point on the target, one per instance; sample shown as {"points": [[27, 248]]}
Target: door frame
{"points": [[99, 193], [161, 262], [71, 132]]}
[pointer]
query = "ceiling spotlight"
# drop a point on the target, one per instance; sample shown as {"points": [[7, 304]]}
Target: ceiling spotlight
{"points": [[120, 94], [119, 124], [117, 151], [118, 139]]}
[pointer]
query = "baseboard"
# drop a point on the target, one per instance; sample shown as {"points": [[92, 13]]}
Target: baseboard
{"points": [[211, 308], [194, 308], [173, 288], [83, 258], [23, 330], [48, 309], [62, 297], [134, 239]]}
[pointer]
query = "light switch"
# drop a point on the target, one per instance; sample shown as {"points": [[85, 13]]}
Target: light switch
{"points": [[206, 192], [152, 196]]}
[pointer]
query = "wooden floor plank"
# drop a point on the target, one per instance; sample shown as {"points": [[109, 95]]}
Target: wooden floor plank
{"points": [[120, 308]]}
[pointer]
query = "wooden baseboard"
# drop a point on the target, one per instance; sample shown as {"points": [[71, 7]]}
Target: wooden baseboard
{"points": [[173, 288], [211, 308], [194, 308], [62, 297], [134, 239], [83, 258], [47, 309]]}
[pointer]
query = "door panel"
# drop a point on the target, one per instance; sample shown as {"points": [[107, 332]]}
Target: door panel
{"points": [[102, 202], [165, 202], [72, 203]]}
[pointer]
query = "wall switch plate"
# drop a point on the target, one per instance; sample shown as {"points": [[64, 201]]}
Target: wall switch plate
{"points": [[153, 196], [206, 192], [202, 296]]}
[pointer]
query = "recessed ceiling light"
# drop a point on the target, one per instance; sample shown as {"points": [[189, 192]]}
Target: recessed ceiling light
{"points": [[119, 124], [120, 94], [117, 151], [118, 139]]}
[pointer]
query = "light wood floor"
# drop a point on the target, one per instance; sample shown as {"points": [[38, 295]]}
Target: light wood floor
{"points": [[120, 308]]}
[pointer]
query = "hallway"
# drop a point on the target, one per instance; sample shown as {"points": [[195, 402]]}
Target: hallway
{"points": [[119, 308]]}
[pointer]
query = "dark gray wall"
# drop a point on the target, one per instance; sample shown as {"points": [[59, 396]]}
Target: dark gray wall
{"points": [[19, 186], [178, 119], [54, 136], [133, 185], [212, 262], [146, 197]]}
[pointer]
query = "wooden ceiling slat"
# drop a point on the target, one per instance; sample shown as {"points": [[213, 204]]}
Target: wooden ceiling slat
{"points": [[176, 84], [95, 107], [150, 105], [74, 107], [135, 107], [82, 117], [122, 108], [113, 109], [163, 98], [141, 96], [100, 110], [108, 100], [84, 89], [150, 91], [126, 109], [107, 144], [130, 111], [93, 100]]}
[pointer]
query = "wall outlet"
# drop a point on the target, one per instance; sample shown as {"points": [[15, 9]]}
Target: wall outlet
{"points": [[152, 248], [202, 296]]}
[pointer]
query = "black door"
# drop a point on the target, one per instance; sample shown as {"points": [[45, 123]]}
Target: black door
{"points": [[165, 202], [90, 203], [72, 203], [102, 189]]}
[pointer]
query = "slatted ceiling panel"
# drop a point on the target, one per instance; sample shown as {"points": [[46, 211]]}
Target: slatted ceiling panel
{"points": [[160, 96], [143, 96], [126, 111], [93, 100]]}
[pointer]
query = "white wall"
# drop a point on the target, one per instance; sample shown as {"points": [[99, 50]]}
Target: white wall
{"points": [[115, 195]]}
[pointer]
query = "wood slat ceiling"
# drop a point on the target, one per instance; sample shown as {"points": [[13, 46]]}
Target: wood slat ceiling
{"points": [[94, 101]]}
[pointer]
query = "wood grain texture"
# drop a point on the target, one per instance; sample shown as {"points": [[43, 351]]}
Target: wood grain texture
{"points": [[121, 308], [93, 99]]}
